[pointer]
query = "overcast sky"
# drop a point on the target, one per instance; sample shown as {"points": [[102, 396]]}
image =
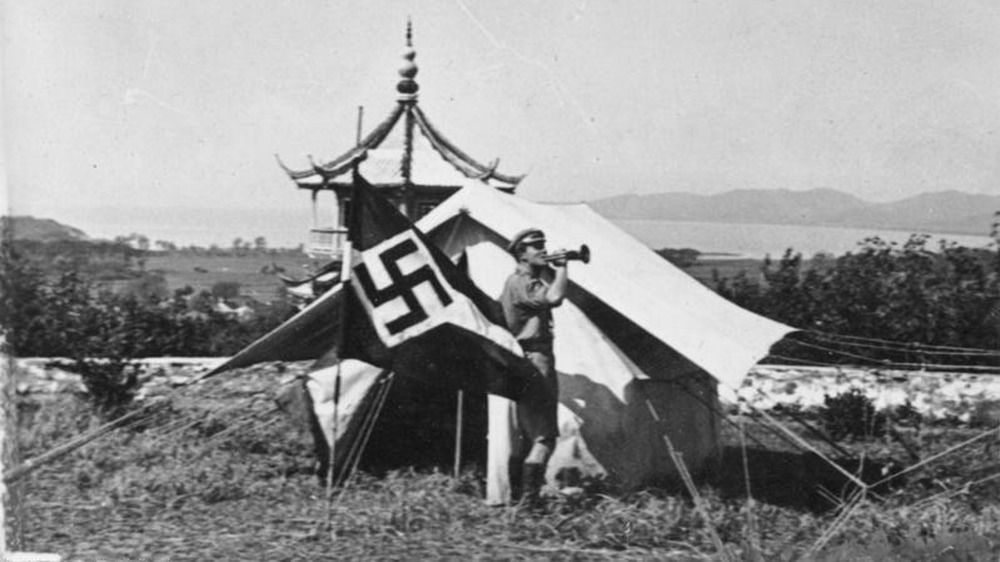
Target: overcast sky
{"points": [[184, 103]]}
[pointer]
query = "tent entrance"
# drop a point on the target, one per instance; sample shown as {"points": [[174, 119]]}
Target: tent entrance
{"points": [[417, 427]]}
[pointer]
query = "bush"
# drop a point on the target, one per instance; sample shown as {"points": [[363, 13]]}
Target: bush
{"points": [[886, 291], [851, 414], [111, 383], [63, 312]]}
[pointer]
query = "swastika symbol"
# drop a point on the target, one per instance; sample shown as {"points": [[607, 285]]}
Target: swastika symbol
{"points": [[402, 285]]}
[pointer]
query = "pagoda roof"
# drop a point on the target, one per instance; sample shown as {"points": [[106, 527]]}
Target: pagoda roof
{"points": [[405, 149], [383, 155]]}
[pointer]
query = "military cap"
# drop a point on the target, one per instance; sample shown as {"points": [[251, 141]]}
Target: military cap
{"points": [[526, 236]]}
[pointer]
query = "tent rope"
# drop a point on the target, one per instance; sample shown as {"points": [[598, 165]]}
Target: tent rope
{"points": [[725, 417], [952, 493], [59, 451], [946, 452], [908, 345], [356, 450], [332, 450], [699, 501], [847, 510], [375, 412], [804, 423], [721, 414], [250, 421], [904, 346], [751, 520], [885, 363], [809, 446], [907, 369]]}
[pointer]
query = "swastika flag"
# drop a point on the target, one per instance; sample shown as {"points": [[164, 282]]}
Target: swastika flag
{"points": [[416, 312]]}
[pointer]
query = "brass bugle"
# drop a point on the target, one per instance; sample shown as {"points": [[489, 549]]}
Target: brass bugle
{"points": [[583, 254]]}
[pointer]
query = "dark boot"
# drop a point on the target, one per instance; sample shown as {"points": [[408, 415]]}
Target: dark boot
{"points": [[533, 477], [515, 472]]}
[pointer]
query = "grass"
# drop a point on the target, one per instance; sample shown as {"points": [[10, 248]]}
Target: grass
{"points": [[707, 268], [201, 272], [218, 474]]}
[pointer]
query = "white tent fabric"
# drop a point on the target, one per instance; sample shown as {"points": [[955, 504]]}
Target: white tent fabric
{"points": [[634, 334], [711, 332], [356, 381], [637, 334]]}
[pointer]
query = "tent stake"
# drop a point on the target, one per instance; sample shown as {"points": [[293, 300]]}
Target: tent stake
{"points": [[458, 432]]}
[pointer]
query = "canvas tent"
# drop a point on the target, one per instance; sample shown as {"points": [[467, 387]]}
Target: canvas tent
{"points": [[635, 333]]}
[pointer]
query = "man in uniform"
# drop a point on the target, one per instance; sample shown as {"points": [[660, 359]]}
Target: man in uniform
{"points": [[528, 297]]}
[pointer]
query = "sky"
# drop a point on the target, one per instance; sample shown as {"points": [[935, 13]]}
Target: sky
{"points": [[133, 108]]}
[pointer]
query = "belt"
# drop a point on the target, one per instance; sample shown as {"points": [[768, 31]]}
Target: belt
{"points": [[535, 345]]}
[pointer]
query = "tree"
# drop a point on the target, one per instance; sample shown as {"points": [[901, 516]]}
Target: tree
{"points": [[260, 244], [151, 287], [886, 291], [22, 301], [226, 289], [166, 246]]}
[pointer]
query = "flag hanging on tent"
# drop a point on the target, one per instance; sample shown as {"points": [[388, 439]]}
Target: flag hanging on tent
{"points": [[417, 313]]}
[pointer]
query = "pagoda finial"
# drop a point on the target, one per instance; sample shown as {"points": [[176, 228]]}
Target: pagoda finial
{"points": [[408, 87]]}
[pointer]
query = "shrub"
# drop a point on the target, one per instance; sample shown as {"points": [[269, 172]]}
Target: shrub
{"points": [[851, 414], [111, 383], [226, 289], [907, 415], [907, 292]]}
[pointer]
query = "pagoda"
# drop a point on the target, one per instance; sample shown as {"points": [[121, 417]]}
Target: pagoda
{"points": [[405, 158]]}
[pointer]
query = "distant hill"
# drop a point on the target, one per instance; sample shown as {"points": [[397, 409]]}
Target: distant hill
{"points": [[943, 212], [41, 230]]}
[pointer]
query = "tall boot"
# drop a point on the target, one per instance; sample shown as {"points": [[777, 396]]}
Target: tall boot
{"points": [[533, 477], [515, 472]]}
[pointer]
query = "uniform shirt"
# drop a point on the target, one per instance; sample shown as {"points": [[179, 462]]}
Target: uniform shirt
{"points": [[528, 313]]}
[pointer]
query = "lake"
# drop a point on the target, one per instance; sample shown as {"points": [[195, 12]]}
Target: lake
{"points": [[758, 240], [289, 228]]}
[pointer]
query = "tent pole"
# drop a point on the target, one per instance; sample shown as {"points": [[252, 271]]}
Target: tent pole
{"points": [[459, 418], [333, 450], [345, 276]]}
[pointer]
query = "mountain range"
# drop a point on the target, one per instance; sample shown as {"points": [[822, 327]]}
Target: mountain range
{"points": [[945, 212]]}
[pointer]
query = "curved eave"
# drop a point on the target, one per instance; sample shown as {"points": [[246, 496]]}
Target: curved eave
{"points": [[319, 176], [345, 161], [295, 175], [464, 163]]}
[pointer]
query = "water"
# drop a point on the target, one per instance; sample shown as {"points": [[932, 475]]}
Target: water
{"points": [[758, 240], [282, 228], [288, 228]]}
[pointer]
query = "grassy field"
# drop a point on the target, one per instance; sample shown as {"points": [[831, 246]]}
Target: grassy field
{"points": [[707, 268], [218, 474], [201, 272]]}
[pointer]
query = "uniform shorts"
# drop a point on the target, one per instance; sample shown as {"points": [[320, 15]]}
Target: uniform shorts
{"points": [[536, 410]]}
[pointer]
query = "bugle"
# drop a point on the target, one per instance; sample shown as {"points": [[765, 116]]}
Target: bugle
{"points": [[583, 254]]}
